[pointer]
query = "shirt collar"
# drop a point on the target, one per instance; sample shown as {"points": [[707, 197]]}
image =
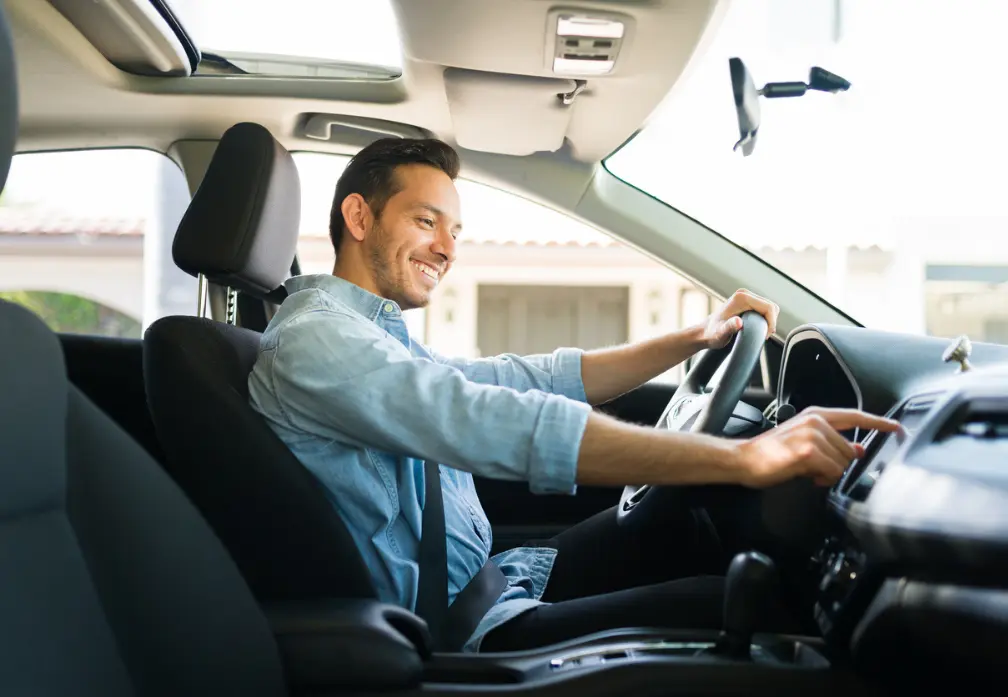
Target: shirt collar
{"points": [[368, 304]]}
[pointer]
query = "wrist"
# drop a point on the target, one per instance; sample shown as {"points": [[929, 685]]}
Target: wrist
{"points": [[737, 466], [691, 338]]}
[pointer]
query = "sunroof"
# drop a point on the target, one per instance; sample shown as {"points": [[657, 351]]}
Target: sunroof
{"points": [[303, 38]]}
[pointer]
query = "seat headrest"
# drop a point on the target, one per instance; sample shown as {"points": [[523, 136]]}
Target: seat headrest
{"points": [[8, 98], [241, 228]]}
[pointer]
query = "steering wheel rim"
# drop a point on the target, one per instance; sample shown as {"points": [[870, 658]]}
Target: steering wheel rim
{"points": [[716, 407]]}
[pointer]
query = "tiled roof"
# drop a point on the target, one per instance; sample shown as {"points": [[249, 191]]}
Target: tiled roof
{"points": [[486, 231], [28, 221], [524, 237]]}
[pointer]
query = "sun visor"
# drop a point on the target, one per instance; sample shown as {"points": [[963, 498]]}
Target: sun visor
{"points": [[507, 114]]}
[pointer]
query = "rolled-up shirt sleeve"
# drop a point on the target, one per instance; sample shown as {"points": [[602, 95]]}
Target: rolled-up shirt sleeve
{"points": [[349, 380], [557, 373]]}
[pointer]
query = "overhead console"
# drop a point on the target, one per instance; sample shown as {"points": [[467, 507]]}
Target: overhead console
{"points": [[484, 104], [584, 43]]}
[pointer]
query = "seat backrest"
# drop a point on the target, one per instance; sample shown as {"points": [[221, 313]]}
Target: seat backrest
{"points": [[112, 583], [272, 514]]}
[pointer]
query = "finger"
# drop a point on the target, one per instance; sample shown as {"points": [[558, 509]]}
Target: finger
{"points": [[845, 450], [772, 319], [831, 452], [743, 300], [846, 419], [729, 328], [822, 466]]}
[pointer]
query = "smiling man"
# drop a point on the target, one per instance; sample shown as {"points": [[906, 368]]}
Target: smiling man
{"points": [[377, 417]]}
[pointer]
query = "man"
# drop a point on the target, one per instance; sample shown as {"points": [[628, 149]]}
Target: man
{"points": [[363, 405]]}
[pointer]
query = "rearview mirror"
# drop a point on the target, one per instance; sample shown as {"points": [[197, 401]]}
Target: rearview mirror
{"points": [[747, 107]]}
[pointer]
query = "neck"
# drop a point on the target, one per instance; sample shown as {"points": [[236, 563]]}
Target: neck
{"points": [[350, 268]]}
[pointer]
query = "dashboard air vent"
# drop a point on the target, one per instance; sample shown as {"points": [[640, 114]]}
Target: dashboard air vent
{"points": [[976, 420]]}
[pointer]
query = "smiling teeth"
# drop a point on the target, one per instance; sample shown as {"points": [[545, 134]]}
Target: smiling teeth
{"points": [[428, 271]]}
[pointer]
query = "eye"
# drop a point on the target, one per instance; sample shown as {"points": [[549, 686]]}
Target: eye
{"points": [[426, 222]]}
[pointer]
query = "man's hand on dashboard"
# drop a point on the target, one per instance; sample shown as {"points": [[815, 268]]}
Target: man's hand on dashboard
{"points": [[726, 321], [807, 445]]}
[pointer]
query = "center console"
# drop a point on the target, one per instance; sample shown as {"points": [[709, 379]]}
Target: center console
{"points": [[912, 578], [368, 646], [847, 582]]}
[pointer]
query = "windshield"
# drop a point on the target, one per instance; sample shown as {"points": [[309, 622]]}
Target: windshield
{"points": [[886, 200]]}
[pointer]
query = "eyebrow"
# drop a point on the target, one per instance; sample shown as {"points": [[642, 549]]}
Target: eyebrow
{"points": [[439, 213]]}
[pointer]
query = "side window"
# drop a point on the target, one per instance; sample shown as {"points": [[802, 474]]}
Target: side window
{"points": [[85, 240], [528, 279]]}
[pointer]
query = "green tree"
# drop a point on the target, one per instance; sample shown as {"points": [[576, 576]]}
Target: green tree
{"points": [[72, 314]]}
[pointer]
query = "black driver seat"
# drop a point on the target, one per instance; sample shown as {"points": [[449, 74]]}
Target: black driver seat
{"points": [[274, 517], [110, 582]]}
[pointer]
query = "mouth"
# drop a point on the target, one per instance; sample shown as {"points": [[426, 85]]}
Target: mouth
{"points": [[427, 270]]}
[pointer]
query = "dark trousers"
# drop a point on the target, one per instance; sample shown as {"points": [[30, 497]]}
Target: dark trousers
{"points": [[608, 576]]}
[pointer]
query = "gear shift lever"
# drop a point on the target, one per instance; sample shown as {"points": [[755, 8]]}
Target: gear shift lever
{"points": [[749, 585]]}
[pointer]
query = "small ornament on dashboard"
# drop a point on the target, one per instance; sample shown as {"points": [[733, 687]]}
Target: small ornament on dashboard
{"points": [[959, 351]]}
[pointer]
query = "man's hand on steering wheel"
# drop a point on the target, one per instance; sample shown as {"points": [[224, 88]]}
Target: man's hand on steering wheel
{"points": [[808, 445], [726, 321]]}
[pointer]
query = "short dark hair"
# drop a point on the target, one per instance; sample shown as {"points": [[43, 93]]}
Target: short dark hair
{"points": [[371, 173]]}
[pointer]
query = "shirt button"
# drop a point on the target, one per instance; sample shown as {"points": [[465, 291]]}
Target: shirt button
{"points": [[389, 307]]}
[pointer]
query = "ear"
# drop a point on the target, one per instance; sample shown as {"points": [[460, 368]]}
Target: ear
{"points": [[357, 216]]}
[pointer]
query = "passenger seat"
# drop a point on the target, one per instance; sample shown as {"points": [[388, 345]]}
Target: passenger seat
{"points": [[110, 582]]}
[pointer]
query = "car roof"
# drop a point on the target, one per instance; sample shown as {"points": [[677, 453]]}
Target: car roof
{"points": [[475, 74]]}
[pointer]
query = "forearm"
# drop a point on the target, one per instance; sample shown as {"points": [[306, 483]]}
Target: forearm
{"points": [[614, 453], [608, 373]]}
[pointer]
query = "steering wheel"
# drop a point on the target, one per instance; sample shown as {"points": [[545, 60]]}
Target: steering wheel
{"points": [[691, 409]]}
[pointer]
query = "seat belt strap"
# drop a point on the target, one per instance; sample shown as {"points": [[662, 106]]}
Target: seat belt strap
{"points": [[471, 604], [432, 588], [450, 627]]}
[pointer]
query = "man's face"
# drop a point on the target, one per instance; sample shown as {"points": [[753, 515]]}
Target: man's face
{"points": [[412, 245]]}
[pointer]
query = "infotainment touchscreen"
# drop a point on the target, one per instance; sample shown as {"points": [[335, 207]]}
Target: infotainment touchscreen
{"points": [[862, 473]]}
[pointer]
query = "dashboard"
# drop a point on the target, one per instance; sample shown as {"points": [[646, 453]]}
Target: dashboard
{"points": [[917, 527]]}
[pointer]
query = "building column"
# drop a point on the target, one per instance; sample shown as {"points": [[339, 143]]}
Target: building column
{"points": [[416, 323], [906, 302], [451, 317], [836, 274], [167, 290]]}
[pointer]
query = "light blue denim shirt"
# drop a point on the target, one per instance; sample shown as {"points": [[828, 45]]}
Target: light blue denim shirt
{"points": [[362, 405]]}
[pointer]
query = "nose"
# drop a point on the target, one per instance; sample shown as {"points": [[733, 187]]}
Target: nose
{"points": [[444, 245]]}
